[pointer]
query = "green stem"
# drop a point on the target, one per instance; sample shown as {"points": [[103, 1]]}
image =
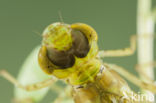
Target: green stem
{"points": [[145, 31]]}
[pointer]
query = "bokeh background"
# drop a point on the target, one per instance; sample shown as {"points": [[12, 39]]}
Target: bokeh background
{"points": [[114, 21]]}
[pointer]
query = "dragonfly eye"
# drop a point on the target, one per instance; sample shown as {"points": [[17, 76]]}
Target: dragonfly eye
{"points": [[62, 59], [80, 43]]}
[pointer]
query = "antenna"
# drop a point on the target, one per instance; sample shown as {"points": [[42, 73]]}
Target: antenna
{"points": [[60, 16]]}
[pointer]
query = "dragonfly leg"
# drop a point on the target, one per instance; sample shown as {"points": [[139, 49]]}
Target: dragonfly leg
{"points": [[125, 51], [138, 68], [31, 87], [132, 78], [120, 52]]}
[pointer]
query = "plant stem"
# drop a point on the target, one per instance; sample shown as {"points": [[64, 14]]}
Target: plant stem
{"points": [[145, 32]]}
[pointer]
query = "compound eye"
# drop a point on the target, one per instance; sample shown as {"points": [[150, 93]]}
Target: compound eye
{"points": [[61, 58], [80, 43]]}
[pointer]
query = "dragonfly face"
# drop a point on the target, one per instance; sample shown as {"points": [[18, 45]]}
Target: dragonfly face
{"points": [[63, 43], [67, 47]]}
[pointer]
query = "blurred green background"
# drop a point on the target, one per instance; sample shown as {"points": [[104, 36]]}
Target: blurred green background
{"points": [[114, 21]]}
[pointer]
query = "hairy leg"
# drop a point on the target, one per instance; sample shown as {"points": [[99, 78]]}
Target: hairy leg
{"points": [[31, 87], [132, 78], [120, 52], [139, 66]]}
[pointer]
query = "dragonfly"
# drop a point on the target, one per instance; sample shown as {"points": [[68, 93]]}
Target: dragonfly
{"points": [[69, 52]]}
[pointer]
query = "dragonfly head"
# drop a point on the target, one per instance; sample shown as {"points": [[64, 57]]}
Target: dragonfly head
{"points": [[61, 46]]}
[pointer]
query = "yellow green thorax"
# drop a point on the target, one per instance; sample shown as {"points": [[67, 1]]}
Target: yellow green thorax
{"points": [[58, 36]]}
